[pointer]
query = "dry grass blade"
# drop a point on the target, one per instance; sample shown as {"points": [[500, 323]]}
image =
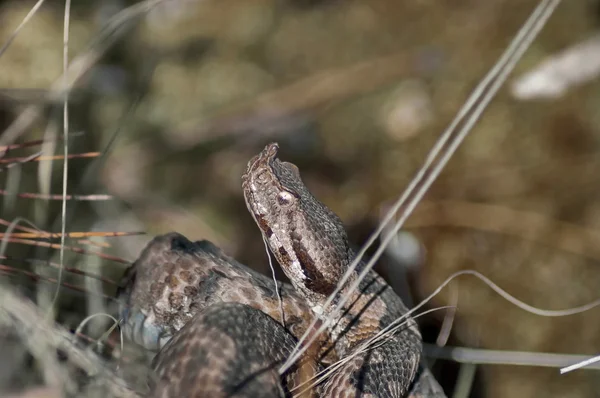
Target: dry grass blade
{"points": [[22, 160], [32, 195], [102, 339], [63, 223], [69, 248], [6, 149], [448, 321], [54, 157], [74, 235], [503, 357], [13, 225]]}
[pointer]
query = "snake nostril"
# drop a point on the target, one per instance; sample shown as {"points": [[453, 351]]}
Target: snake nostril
{"points": [[181, 243]]}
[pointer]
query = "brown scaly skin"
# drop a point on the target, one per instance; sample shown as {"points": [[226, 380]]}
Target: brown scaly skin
{"points": [[311, 245], [175, 280]]}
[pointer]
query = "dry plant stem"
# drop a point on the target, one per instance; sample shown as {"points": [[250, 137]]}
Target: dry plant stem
{"points": [[5, 149], [45, 169], [102, 339], [14, 225], [72, 235], [50, 157], [70, 248], [32, 195], [63, 224], [449, 317], [27, 18], [38, 331], [524, 306], [281, 312], [498, 357], [26, 159], [464, 384]]}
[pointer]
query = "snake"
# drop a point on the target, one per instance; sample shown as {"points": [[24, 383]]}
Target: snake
{"points": [[216, 328]]}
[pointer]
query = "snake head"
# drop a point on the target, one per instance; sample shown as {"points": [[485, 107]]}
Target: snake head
{"points": [[307, 239]]}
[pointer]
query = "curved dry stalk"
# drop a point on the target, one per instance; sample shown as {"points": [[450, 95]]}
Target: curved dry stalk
{"points": [[22, 160], [5, 149], [17, 226], [41, 158], [33, 195], [69, 248], [72, 235], [448, 321], [524, 306], [102, 339], [24, 22]]}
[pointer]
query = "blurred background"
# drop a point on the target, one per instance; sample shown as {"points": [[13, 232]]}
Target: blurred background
{"points": [[176, 100]]}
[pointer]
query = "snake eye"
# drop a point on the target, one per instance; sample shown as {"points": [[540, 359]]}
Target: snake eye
{"points": [[284, 198]]}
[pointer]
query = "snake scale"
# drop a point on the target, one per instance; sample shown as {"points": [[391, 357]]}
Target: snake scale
{"points": [[221, 329]]}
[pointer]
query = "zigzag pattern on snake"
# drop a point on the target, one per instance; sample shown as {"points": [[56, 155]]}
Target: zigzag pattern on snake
{"points": [[217, 325]]}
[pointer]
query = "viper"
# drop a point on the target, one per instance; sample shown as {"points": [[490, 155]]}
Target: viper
{"points": [[221, 329]]}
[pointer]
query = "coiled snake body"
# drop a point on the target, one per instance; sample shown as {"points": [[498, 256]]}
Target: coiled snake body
{"points": [[222, 330]]}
